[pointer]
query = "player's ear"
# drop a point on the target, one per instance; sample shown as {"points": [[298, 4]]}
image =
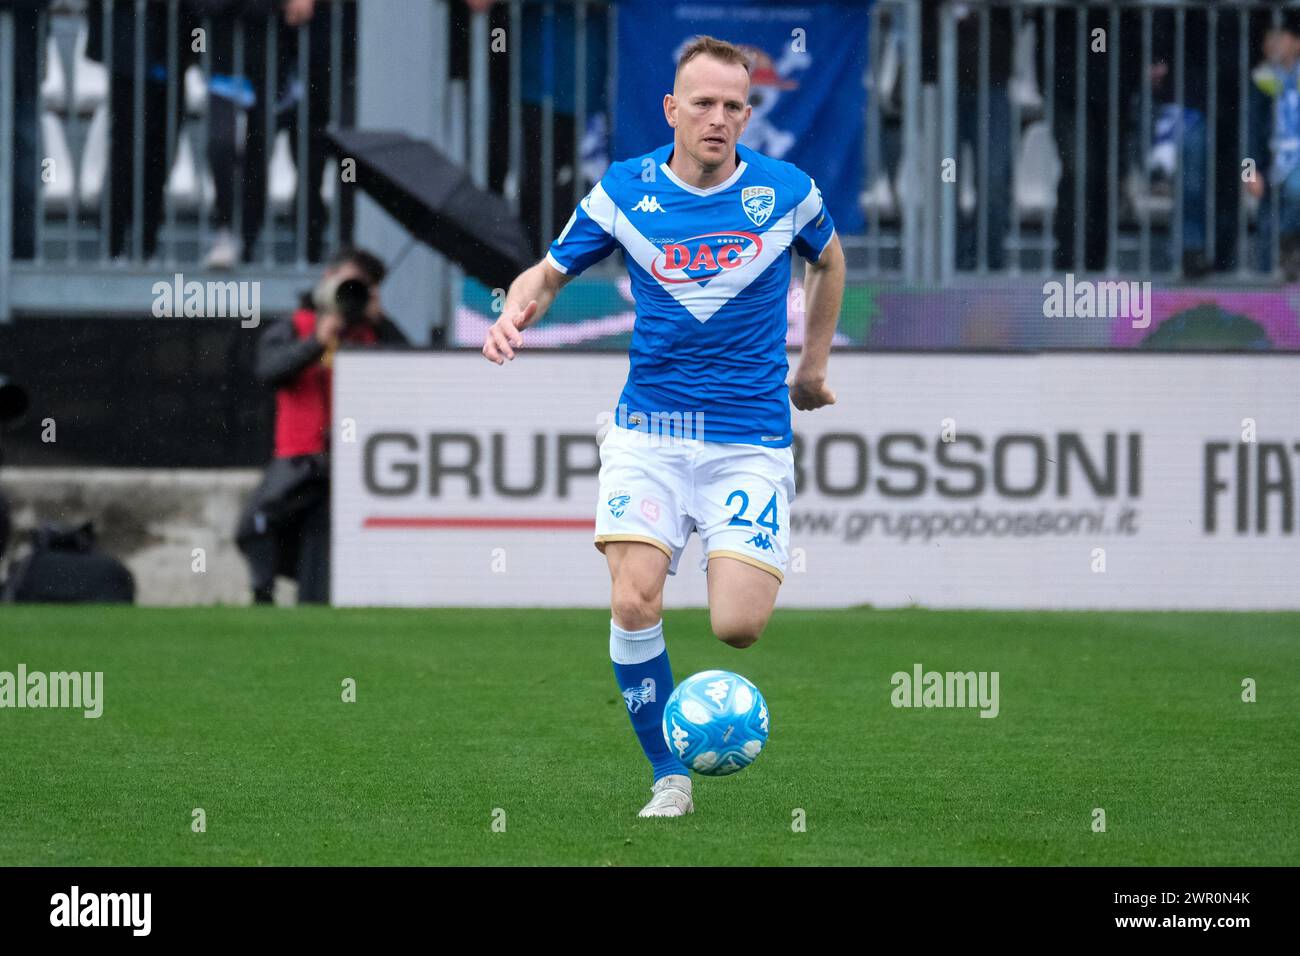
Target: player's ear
{"points": [[670, 109]]}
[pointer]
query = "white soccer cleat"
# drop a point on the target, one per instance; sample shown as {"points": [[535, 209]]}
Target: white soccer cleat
{"points": [[672, 797]]}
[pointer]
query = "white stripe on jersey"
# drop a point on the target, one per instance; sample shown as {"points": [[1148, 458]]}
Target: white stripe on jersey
{"points": [[600, 207], [808, 207]]}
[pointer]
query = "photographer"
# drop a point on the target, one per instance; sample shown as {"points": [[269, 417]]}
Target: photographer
{"points": [[285, 526]]}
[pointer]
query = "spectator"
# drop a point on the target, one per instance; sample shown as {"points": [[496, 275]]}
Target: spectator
{"points": [[1169, 121], [122, 112], [233, 98], [1083, 84], [1278, 78], [547, 69], [285, 528], [1001, 50], [28, 42]]}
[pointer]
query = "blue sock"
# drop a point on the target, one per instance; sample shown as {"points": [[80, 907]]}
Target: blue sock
{"points": [[641, 669]]}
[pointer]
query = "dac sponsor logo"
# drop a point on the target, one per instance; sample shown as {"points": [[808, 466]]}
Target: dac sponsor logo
{"points": [[705, 257]]}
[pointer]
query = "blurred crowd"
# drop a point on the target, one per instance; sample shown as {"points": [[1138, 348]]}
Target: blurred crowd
{"points": [[145, 99], [1194, 135], [1164, 133]]}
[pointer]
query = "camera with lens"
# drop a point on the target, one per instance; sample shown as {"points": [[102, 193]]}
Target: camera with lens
{"points": [[349, 299]]}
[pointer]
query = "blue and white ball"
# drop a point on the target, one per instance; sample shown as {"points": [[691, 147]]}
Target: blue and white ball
{"points": [[716, 722]]}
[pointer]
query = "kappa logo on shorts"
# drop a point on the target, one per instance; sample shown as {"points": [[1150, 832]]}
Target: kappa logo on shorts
{"points": [[650, 508], [618, 503], [761, 541]]}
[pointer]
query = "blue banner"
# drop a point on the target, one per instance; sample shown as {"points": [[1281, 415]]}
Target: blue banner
{"points": [[807, 87]]}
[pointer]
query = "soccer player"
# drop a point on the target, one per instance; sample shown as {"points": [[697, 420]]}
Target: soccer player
{"points": [[701, 439]]}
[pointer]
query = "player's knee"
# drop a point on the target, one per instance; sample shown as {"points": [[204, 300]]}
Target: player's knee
{"points": [[634, 609], [738, 633]]}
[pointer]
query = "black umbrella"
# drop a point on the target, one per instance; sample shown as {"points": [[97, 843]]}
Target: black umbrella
{"points": [[434, 198]]}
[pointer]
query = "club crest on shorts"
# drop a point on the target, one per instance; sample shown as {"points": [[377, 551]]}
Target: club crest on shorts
{"points": [[758, 203], [618, 503]]}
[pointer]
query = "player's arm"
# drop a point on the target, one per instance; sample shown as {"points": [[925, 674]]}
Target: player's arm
{"points": [[527, 300], [823, 287]]}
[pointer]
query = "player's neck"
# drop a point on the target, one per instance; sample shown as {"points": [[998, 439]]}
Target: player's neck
{"points": [[695, 174]]}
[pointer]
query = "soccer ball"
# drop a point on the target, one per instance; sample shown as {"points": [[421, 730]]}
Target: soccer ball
{"points": [[716, 722]]}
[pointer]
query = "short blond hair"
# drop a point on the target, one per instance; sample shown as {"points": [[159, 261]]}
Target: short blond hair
{"points": [[713, 47]]}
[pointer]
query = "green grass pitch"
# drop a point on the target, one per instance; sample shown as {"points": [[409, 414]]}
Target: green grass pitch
{"points": [[460, 713]]}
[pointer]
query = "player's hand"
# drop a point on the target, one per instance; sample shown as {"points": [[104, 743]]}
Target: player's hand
{"points": [[807, 393], [1256, 186], [504, 335], [328, 329]]}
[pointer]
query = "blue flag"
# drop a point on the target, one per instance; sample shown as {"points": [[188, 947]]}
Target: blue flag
{"points": [[807, 87]]}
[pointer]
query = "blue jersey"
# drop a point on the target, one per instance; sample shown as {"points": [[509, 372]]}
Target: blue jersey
{"points": [[710, 270]]}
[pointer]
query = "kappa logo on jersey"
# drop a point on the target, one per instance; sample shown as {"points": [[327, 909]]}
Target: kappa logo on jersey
{"points": [[638, 697], [758, 203], [649, 204], [761, 541], [618, 503], [701, 258]]}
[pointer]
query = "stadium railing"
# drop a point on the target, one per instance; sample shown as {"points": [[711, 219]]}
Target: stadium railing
{"points": [[1154, 142], [72, 270], [1133, 187]]}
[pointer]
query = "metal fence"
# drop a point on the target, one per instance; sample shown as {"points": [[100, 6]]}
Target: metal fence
{"points": [[1137, 138], [1000, 139], [158, 138]]}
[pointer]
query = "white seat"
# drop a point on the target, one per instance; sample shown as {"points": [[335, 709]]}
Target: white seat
{"points": [[94, 160], [1158, 207], [183, 180], [89, 79], [880, 200], [904, 183], [1038, 170], [282, 176], [54, 87], [966, 181], [889, 72], [1023, 88], [329, 181], [58, 192], [196, 91]]}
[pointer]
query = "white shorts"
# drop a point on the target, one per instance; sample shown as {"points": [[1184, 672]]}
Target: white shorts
{"points": [[659, 489]]}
